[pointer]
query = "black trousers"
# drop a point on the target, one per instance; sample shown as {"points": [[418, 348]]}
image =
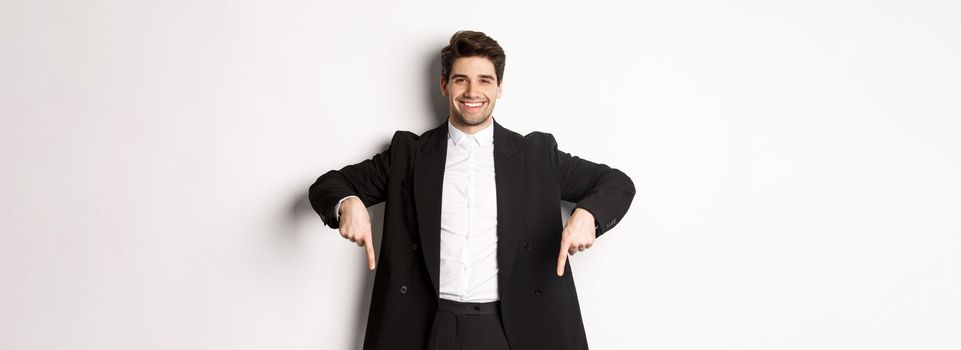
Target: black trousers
{"points": [[467, 326]]}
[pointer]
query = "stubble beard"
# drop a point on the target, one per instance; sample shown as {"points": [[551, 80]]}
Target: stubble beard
{"points": [[471, 122]]}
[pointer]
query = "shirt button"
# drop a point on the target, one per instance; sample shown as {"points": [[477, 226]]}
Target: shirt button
{"points": [[403, 289]]}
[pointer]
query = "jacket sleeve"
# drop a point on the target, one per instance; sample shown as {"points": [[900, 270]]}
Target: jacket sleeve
{"points": [[366, 180], [603, 191]]}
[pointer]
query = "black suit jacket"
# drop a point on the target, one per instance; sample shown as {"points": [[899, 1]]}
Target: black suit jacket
{"points": [[539, 309]]}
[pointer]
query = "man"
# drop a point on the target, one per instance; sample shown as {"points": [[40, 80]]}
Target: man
{"points": [[473, 255]]}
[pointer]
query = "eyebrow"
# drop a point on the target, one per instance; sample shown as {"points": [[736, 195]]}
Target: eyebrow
{"points": [[458, 75]]}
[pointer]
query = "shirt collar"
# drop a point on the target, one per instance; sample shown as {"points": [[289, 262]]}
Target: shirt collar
{"points": [[483, 137]]}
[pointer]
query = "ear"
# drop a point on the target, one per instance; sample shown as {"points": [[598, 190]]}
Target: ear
{"points": [[500, 89], [443, 86]]}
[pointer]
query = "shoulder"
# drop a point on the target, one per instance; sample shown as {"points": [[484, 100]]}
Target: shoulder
{"points": [[404, 136], [405, 141], [534, 141], [540, 139], [533, 138], [538, 136]]}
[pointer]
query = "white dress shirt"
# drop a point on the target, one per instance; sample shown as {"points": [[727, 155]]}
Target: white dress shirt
{"points": [[468, 221]]}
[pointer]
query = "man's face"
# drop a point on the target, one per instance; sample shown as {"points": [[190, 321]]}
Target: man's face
{"points": [[472, 90]]}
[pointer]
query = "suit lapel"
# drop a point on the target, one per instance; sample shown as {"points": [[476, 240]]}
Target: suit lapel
{"points": [[509, 178], [428, 189]]}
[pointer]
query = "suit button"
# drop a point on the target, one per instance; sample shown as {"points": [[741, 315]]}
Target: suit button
{"points": [[403, 289], [528, 246], [413, 246], [539, 291], [476, 308]]}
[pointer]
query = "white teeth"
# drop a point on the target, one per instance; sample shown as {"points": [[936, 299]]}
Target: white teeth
{"points": [[473, 104]]}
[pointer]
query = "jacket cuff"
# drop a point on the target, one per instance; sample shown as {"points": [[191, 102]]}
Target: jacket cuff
{"points": [[602, 221]]}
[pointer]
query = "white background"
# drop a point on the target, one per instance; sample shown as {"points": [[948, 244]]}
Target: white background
{"points": [[796, 165]]}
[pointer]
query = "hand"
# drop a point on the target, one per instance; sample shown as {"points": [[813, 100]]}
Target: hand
{"points": [[578, 235], [355, 226]]}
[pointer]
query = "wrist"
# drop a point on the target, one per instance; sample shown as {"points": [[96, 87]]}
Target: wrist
{"points": [[347, 203], [343, 203], [583, 213], [584, 216]]}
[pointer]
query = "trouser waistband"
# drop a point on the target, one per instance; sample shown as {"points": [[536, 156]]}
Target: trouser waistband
{"points": [[457, 307]]}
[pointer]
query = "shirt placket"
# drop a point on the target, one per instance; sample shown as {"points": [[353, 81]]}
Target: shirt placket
{"points": [[469, 146]]}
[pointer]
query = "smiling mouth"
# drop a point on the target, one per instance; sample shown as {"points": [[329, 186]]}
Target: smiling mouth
{"points": [[472, 105]]}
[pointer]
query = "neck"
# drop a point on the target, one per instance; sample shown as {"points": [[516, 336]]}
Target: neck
{"points": [[470, 129]]}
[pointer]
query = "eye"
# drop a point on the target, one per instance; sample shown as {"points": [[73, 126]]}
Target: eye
{"points": [[486, 81]]}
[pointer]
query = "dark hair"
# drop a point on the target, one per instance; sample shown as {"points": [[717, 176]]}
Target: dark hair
{"points": [[466, 43]]}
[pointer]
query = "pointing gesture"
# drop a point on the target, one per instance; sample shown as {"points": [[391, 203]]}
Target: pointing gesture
{"points": [[355, 226], [578, 235]]}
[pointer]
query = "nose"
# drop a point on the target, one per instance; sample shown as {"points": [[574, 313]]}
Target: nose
{"points": [[468, 90]]}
